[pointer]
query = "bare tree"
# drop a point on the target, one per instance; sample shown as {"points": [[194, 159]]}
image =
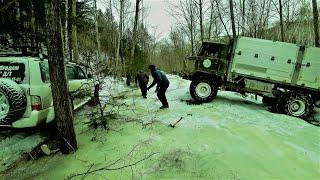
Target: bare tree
{"points": [[186, 10], [200, 5], [220, 17], [98, 50], [280, 12], [316, 23], [121, 14], [135, 27], [211, 19], [134, 37], [58, 78], [243, 14], [233, 25]]}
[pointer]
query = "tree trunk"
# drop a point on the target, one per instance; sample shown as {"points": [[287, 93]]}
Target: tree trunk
{"points": [[191, 26], [65, 34], [32, 26], [74, 40], [234, 32], [134, 34], [201, 20], [243, 16], [61, 100], [98, 54], [281, 21], [120, 32], [316, 23], [211, 20]]}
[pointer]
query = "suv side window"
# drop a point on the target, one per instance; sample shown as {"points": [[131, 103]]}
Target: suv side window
{"points": [[44, 69], [80, 73], [71, 74], [75, 73]]}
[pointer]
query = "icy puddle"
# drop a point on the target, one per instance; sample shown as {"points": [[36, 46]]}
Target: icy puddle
{"points": [[230, 138]]}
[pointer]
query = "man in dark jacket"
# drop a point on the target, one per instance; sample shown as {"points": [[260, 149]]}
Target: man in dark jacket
{"points": [[142, 79], [162, 82]]}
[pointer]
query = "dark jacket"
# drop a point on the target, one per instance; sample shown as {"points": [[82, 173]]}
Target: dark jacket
{"points": [[159, 78], [142, 78]]}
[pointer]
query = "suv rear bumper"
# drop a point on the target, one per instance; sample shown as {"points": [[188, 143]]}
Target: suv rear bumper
{"points": [[36, 118]]}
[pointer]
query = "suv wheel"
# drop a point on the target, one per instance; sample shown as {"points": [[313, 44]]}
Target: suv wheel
{"points": [[13, 102], [203, 90], [298, 105]]}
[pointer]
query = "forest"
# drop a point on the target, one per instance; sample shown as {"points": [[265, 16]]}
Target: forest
{"points": [[245, 133]]}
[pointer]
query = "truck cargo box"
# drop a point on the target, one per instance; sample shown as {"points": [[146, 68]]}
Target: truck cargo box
{"points": [[310, 69], [277, 62]]}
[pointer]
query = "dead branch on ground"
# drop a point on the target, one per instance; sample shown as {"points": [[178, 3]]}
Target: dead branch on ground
{"points": [[109, 166]]}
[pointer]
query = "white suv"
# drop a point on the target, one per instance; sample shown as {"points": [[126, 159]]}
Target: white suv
{"points": [[25, 92]]}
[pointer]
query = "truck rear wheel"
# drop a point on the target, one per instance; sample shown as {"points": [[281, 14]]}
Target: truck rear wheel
{"points": [[203, 90], [298, 105]]}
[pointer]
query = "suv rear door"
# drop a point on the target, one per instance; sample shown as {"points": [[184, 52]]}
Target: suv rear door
{"points": [[17, 69]]}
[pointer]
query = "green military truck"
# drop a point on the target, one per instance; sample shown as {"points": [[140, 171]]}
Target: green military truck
{"points": [[286, 75]]}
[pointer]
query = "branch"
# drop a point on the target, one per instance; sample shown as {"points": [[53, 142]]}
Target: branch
{"points": [[113, 169], [7, 5]]}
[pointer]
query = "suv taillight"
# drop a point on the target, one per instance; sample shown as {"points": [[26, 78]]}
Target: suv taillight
{"points": [[36, 103]]}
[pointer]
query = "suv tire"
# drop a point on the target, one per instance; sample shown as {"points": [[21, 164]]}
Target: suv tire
{"points": [[13, 102], [298, 105], [203, 90]]}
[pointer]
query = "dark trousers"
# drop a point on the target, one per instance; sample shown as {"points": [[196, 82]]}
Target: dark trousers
{"points": [[144, 89], [162, 95]]}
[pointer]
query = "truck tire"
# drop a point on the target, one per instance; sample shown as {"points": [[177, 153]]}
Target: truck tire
{"points": [[317, 103], [203, 90], [298, 105], [13, 102], [269, 101]]}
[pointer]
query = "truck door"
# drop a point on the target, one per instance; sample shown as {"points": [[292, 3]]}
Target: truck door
{"points": [[310, 69]]}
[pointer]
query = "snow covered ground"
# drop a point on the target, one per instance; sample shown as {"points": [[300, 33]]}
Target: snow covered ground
{"points": [[13, 147], [229, 138]]}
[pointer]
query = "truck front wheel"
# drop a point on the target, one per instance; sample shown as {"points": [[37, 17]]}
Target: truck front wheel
{"points": [[203, 90], [298, 105]]}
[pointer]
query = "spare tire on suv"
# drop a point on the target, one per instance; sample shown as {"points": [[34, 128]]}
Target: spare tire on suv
{"points": [[13, 102]]}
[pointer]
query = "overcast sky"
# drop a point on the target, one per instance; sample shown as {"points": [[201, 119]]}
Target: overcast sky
{"points": [[157, 17]]}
